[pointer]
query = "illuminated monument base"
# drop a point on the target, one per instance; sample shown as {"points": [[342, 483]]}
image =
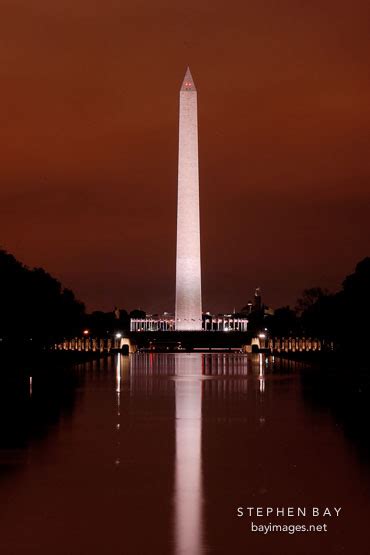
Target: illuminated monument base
{"points": [[210, 322]]}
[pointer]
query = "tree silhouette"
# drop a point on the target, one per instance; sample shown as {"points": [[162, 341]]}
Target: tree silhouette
{"points": [[34, 305]]}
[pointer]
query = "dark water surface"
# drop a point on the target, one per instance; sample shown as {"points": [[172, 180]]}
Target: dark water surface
{"points": [[154, 454]]}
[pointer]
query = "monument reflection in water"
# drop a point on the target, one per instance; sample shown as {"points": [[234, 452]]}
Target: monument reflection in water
{"points": [[188, 377], [188, 469]]}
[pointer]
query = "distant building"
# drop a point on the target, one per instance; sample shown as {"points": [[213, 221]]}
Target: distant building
{"points": [[224, 322], [257, 299], [154, 322], [210, 322], [256, 306], [247, 309]]}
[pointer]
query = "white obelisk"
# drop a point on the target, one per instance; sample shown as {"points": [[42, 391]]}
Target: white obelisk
{"points": [[188, 275]]}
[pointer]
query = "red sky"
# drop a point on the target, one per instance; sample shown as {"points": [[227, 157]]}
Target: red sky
{"points": [[88, 143]]}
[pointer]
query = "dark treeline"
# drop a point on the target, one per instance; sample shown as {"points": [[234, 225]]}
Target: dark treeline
{"points": [[342, 317], [104, 323], [35, 307]]}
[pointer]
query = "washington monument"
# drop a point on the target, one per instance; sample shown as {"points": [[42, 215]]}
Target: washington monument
{"points": [[188, 275]]}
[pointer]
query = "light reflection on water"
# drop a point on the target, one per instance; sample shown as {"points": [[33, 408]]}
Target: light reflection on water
{"points": [[152, 453]]}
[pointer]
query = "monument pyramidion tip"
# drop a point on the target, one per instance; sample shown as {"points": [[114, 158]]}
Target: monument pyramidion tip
{"points": [[188, 82]]}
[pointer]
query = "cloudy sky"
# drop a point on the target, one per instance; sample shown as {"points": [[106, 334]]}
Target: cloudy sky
{"points": [[89, 130]]}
